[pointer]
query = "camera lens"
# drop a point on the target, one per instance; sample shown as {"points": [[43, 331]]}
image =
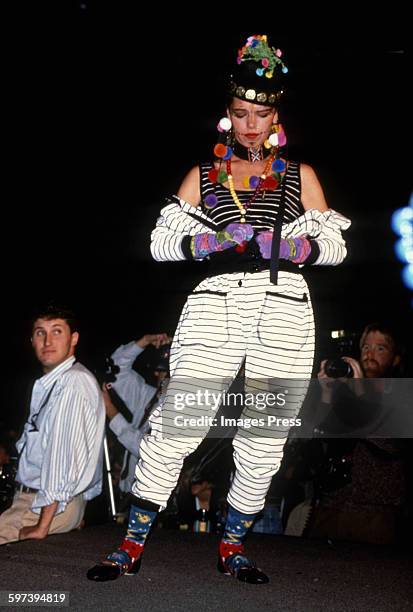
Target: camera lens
{"points": [[338, 368]]}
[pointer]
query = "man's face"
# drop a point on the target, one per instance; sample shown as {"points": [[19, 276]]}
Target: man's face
{"points": [[378, 357], [53, 342]]}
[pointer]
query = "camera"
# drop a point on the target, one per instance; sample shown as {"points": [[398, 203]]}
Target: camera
{"points": [[344, 345], [162, 361], [106, 371]]}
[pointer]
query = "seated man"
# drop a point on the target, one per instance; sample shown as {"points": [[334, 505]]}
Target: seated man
{"points": [[138, 396], [60, 450]]}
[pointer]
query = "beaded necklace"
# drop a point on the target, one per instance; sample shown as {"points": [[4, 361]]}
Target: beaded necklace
{"points": [[259, 186], [262, 183]]}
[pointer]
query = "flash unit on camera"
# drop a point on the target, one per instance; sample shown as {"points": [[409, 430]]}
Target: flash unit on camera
{"points": [[338, 333]]}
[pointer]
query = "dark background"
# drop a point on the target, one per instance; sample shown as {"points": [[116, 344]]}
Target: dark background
{"points": [[106, 106]]}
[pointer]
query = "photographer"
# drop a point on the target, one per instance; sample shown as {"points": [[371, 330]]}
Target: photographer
{"points": [[380, 356], [138, 396], [360, 479]]}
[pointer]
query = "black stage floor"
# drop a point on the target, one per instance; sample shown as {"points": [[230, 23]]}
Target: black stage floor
{"points": [[178, 573]]}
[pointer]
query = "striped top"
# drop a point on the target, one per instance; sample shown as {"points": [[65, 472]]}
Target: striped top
{"points": [[263, 211], [61, 445], [179, 221]]}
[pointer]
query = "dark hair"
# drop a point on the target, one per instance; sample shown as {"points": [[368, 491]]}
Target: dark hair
{"points": [[56, 311], [387, 330]]}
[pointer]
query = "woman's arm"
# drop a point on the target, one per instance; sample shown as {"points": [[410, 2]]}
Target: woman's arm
{"points": [[312, 195], [190, 190]]}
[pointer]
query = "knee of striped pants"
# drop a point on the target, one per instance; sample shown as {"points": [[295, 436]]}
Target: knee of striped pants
{"points": [[160, 464], [256, 461]]}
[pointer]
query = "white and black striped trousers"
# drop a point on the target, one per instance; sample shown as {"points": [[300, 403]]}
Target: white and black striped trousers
{"points": [[227, 319]]}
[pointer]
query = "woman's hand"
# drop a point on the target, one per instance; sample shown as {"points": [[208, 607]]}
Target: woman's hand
{"points": [[296, 250], [234, 234], [264, 241]]}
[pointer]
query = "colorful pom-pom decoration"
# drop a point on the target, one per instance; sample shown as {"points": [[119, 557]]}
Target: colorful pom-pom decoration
{"points": [[246, 182], [278, 165], [270, 183], [224, 124], [273, 140], [211, 201], [228, 154], [258, 50], [213, 175], [254, 181], [282, 138], [222, 177], [220, 150]]}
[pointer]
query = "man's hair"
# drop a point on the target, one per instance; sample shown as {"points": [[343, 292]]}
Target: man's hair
{"points": [[389, 332], [56, 311]]}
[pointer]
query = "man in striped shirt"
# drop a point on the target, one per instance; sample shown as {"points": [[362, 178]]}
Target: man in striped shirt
{"points": [[60, 450]]}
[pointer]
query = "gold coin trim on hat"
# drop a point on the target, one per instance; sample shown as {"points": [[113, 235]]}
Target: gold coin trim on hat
{"points": [[251, 94]]}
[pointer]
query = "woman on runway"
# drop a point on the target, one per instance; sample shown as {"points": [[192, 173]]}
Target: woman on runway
{"points": [[258, 218]]}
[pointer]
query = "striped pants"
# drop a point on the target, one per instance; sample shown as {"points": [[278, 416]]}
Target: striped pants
{"points": [[226, 320]]}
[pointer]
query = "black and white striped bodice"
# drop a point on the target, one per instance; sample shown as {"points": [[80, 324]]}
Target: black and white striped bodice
{"points": [[262, 212]]}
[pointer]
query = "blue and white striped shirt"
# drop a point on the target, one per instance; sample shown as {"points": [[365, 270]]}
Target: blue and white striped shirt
{"points": [[61, 446]]}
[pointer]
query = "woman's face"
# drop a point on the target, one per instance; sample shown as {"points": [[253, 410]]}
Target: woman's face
{"points": [[251, 122]]}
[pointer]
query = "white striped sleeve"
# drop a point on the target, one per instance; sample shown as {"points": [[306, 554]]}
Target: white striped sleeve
{"points": [[323, 229], [70, 450], [177, 222]]}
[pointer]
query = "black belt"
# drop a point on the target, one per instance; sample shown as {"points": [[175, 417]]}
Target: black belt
{"points": [[250, 260], [24, 489]]}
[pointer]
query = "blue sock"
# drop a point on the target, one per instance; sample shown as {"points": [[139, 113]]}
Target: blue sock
{"points": [[131, 548], [237, 526], [231, 546]]}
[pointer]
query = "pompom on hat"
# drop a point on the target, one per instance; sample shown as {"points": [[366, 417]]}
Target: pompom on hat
{"points": [[258, 74]]}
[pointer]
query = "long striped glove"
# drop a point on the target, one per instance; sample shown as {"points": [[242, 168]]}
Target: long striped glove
{"points": [[296, 250], [234, 234]]}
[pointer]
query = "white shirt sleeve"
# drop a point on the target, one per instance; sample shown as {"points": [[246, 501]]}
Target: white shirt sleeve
{"points": [[128, 435]]}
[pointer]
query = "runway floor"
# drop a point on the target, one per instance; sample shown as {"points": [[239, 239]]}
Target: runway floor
{"points": [[179, 573]]}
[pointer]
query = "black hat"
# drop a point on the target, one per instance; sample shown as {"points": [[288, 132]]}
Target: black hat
{"points": [[258, 74]]}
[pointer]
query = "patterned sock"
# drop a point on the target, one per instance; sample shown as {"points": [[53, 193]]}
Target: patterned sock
{"points": [[231, 549], [139, 525]]}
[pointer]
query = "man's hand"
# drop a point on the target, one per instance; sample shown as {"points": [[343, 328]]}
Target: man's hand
{"points": [[356, 385], [355, 366], [40, 531], [32, 533], [111, 410], [326, 383], [157, 340]]}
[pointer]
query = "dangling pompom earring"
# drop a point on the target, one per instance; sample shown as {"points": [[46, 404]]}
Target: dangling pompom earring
{"points": [[272, 141], [220, 150], [224, 125], [277, 137]]}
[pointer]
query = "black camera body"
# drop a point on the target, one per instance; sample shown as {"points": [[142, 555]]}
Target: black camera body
{"points": [[106, 371], [162, 361], [344, 345]]}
